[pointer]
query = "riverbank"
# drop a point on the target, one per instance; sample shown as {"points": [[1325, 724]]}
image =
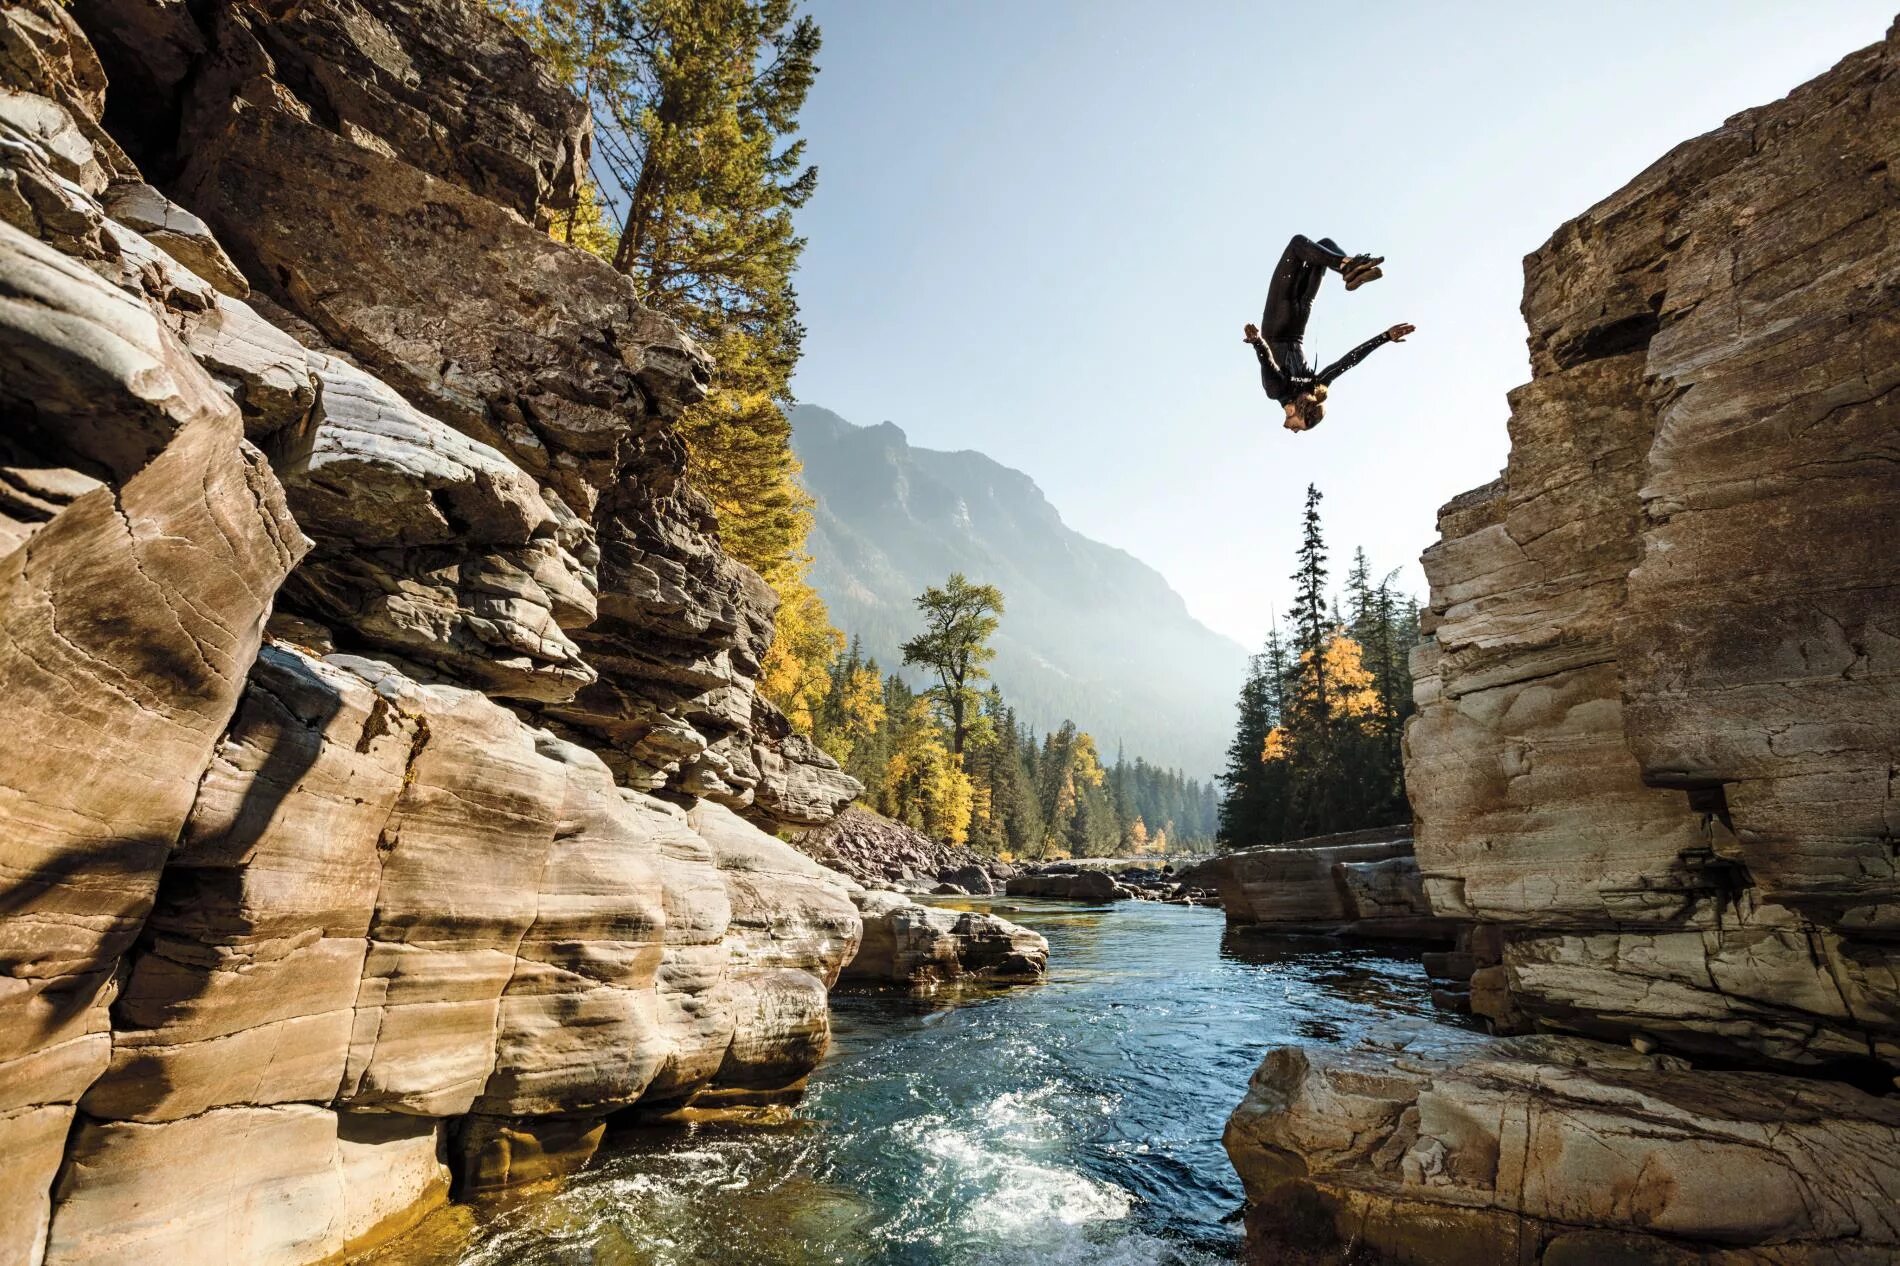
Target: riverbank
{"points": [[1075, 1121]]}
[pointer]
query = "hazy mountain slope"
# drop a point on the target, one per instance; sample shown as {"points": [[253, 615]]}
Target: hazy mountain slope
{"points": [[1091, 632]]}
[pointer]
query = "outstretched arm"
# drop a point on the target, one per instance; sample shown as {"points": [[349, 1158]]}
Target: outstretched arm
{"points": [[1394, 335], [1272, 375]]}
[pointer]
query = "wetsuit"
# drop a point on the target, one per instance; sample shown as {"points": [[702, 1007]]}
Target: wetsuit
{"points": [[1285, 372]]}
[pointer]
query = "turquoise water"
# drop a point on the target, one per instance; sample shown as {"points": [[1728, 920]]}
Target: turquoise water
{"points": [[1077, 1121]]}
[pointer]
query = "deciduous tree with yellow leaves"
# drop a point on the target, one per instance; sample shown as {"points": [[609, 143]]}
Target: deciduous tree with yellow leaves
{"points": [[924, 787]]}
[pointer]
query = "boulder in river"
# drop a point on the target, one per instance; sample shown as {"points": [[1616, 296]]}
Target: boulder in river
{"points": [[1362, 884], [1092, 886], [913, 944]]}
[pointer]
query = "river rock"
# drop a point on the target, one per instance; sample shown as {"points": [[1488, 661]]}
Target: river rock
{"points": [[1360, 884], [1094, 886], [1452, 1148], [909, 943]]}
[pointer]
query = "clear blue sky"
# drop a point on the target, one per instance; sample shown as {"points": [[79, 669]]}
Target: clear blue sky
{"points": [[1040, 225]]}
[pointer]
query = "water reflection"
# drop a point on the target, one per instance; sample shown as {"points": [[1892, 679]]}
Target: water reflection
{"points": [[1075, 1121]]}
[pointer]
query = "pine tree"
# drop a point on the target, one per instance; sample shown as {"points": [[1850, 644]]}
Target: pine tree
{"points": [[696, 106], [1311, 750], [1318, 742], [1253, 810]]}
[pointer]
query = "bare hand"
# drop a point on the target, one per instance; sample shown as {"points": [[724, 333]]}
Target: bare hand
{"points": [[1250, 332], [1398, 332]]}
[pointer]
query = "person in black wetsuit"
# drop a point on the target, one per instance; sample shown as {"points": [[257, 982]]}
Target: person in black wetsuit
{"points": [[1285, 372]]}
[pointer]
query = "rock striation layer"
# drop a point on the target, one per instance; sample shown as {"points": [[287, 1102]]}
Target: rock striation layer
{"points": [[1652, 765], [1361, 884], [1657, 707], [386, 780], [1562, 1151]]}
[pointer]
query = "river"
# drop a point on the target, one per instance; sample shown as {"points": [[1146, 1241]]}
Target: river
{"points": [[1076, 1121]]}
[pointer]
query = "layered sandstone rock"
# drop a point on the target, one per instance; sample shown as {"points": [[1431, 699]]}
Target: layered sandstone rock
{"points": [[425, 886], [1562, 1151], [1657, 708], [1361, 884], [144, 538], [1659, 711], [398, 898]]}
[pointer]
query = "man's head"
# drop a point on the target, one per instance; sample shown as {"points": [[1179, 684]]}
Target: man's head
{"points": [[1304, 411]]}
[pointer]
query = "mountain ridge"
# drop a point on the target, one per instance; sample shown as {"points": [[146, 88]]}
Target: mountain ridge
{"points": [[1090, 633]]}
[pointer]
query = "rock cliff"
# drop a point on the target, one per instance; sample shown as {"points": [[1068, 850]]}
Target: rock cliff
{"points": [[1659, 718], [385, 776]]}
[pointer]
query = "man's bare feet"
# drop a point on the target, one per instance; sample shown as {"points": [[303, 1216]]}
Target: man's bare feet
{"points": [[1249, 332]]}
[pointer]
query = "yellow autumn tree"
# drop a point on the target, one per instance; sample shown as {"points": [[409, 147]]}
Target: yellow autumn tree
{"points": [[796, 674], [1352, 694], [1278, 746], [923, 786], [1087, 767]]}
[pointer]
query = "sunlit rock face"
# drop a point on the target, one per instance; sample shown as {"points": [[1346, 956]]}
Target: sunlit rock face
{"points": [[1658, 707], [1454, 1148], [912, 944], [367, 660], [1357, 884], [1652, 766]]}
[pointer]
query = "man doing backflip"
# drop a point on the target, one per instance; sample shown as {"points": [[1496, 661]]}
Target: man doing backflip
{"points": [[1285, 372]]}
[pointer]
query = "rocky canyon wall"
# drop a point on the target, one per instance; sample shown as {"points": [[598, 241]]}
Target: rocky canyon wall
{"points": [[1654, 760], [1658, 721], [385, 778]]}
